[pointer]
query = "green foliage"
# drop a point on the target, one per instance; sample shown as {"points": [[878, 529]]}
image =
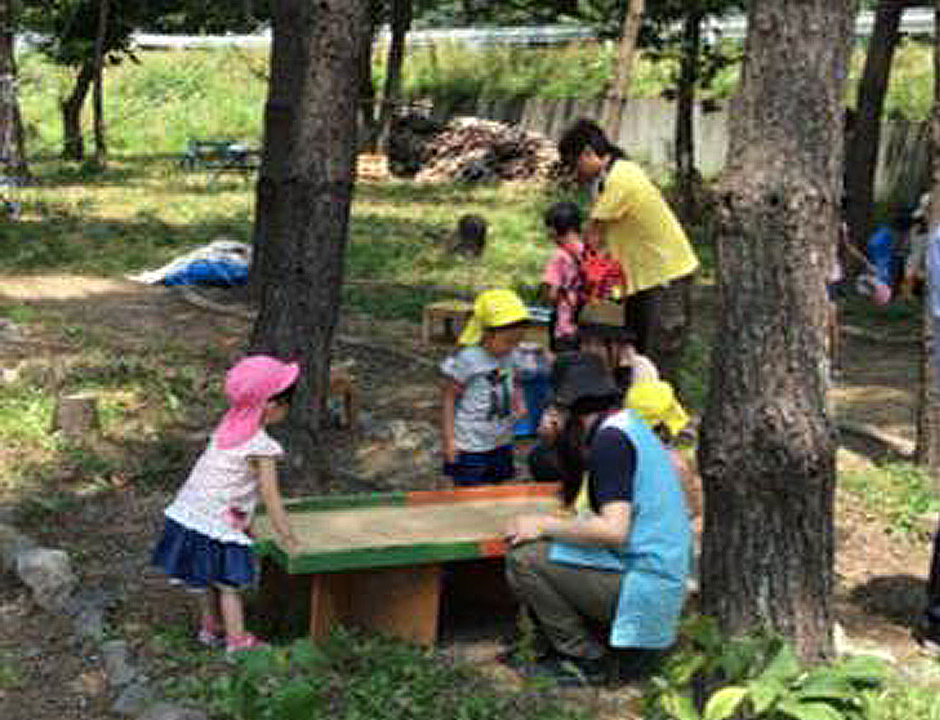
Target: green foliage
{"points": [[900, 493], [359, 678], [758, 677]]}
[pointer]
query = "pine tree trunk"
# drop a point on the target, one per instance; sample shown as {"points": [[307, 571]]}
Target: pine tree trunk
{"points": [[865, 136], [686, 175], [303, 202], [928, 409], [622, 71], [101, 149], [391, 94], [368, 115], [767, 450], [73, 144], [12, 150]]}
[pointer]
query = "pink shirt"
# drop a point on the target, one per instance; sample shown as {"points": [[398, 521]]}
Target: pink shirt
{"points": [[563, 275]]}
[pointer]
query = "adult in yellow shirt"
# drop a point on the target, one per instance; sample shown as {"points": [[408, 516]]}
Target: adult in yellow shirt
{"points": [[632, 219]]}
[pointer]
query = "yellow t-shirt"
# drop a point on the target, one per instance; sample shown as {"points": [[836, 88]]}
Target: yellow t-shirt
{"points": [[640, 230]]}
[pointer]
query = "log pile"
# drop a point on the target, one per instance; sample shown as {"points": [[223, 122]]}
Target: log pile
{"points": [[475, 150]]}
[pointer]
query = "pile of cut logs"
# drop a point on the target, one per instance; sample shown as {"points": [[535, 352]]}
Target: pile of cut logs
{"points": [[475, 150]]}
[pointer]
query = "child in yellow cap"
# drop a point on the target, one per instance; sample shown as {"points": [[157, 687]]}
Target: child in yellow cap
{"points": [[481, 400], [656, 403]]}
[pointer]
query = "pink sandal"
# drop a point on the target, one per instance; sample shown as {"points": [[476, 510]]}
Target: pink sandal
{"points": [[211, 634], [240, 643]]}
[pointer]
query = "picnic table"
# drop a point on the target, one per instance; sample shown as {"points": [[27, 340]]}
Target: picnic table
{"points": [[219, 156], [376, 561]]}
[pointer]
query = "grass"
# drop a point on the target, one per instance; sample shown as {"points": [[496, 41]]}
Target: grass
{"points": [[900, 494], [155, 104]]}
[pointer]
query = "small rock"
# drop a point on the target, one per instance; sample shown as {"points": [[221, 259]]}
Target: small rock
{"points": [[10, 332], [133, 700], [169, 711], [846, 646], [12, 544], [48, 573], [116, 665]]}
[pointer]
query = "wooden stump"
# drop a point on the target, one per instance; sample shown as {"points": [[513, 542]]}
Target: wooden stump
{"points": [[76, 416]]}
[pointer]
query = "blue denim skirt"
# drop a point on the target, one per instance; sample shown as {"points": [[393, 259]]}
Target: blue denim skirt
{"points": [[198, 561]]}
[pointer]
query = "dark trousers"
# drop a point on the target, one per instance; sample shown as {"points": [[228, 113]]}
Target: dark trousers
{"points": [[640, 313], [932, 612]]}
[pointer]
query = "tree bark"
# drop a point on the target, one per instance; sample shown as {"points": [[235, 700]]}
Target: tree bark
{"points": [[622, 71], [686, 174], [865, 136], [303, 202], [767, 449], [101, 150], [928, 408], [73, 144], [368, 118], [391, 93], [12, 150]]}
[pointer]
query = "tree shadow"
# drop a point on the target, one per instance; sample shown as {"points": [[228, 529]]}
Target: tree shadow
{"points": [[896, 598]]}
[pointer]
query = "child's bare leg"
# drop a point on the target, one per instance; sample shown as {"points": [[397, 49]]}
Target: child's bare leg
{"points": [[209, 612], [233, 614]]}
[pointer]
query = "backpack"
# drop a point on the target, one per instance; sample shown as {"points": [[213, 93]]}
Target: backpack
{"points": [[601, 274]]}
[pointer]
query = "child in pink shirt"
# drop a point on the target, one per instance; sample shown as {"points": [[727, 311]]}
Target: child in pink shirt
{"points": [[562, 278]]}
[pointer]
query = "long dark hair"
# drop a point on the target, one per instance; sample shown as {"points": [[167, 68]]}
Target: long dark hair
{"points": [[586, 133], [569, 452]]}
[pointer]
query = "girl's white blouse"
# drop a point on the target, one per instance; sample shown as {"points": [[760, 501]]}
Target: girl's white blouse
{"points": [[220, 487]]}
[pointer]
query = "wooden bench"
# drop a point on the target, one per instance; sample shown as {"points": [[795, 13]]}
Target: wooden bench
{"points": [[443, 320], [372, 167], [376, 561]]}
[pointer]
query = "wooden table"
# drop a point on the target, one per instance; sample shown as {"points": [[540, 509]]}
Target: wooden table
{"points": [[375, 561]]}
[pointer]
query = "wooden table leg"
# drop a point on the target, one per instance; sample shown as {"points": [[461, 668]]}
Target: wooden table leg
{"points": [[403, 602]]}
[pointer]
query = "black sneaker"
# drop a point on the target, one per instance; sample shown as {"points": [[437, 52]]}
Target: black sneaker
{"points": [[569, 671]]}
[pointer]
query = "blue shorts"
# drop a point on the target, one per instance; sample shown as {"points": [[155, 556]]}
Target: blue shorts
{"points": [[482, 468]]}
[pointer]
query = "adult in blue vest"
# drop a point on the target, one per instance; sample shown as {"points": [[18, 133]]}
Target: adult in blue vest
{"points": [[624, 562]]}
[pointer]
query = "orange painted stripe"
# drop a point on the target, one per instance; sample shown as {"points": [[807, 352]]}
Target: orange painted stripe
{"points": [[493, 548], [484, 492]]}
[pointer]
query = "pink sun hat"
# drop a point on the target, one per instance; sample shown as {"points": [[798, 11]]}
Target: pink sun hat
{"points": [[249, 385]]}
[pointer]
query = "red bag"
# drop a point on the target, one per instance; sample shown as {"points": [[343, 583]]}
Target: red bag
{"points": [[602, 274]]}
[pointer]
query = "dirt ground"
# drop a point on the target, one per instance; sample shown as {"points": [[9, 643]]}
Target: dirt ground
{"points": [[57, 677]]}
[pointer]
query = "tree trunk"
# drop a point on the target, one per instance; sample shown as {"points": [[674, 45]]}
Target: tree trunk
{"points": [[101, 150], [686, 175], [767, 449], [73, 144], [622, 70], [391, 94], [12, 150], [368, 117], [928, 408], [865, 135], [303, 202]]}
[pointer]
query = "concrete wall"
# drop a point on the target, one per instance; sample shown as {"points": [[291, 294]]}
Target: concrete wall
{"points": [[647, 134]]}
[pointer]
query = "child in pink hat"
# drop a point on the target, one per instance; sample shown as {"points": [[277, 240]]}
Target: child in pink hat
{"points": [[206, 544]]}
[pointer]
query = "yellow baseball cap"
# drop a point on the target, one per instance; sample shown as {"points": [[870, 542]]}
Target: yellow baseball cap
{"points": [[493, 309], [655, 402]]}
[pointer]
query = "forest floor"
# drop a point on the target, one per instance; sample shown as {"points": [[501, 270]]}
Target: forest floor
{"points": [[880, 570]]}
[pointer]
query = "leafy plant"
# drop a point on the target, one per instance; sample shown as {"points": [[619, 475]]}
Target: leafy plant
{"points": [[758, 677], [359, 677]]}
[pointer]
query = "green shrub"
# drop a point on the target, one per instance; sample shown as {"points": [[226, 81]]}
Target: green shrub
{"points": [[356, 677], [759, 677]]}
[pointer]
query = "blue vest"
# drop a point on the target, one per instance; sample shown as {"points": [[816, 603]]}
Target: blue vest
{"points": [[655, 559]]}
